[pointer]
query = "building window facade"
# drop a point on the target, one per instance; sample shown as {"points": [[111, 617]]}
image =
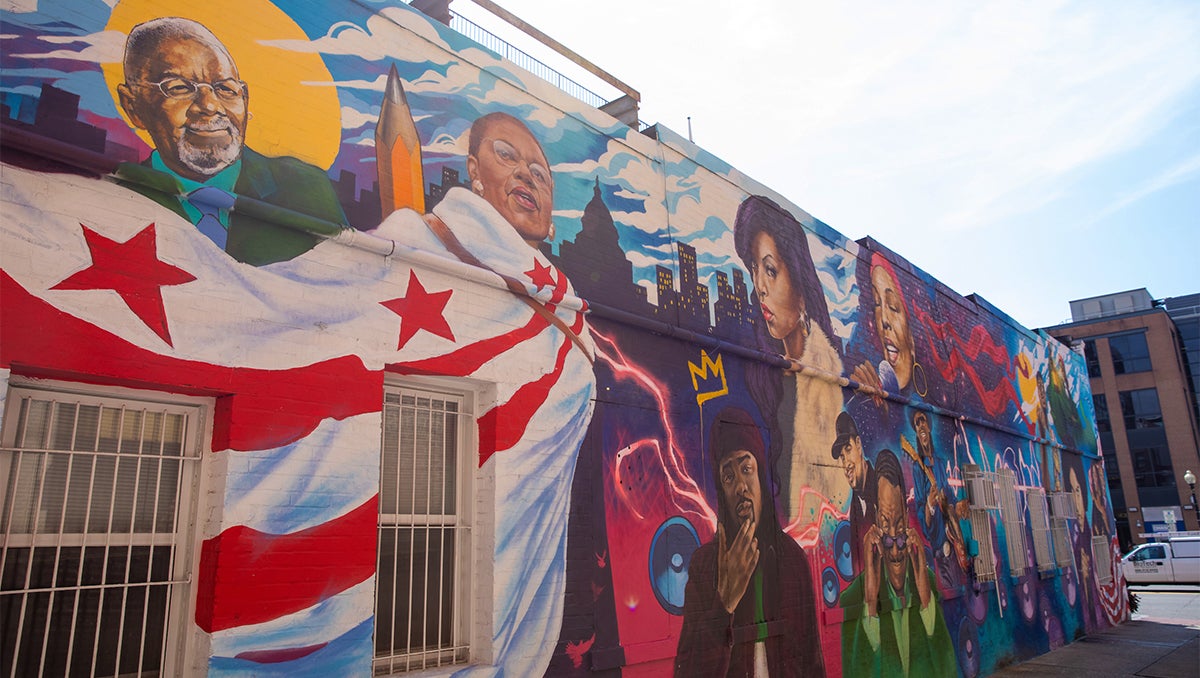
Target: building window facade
{"points": [[1149, 454], [1152, 467], [1141, 409], [1093, 360], [1100, 403], [1130, 353], [1189, 339], [98, 494], [423, 602]]}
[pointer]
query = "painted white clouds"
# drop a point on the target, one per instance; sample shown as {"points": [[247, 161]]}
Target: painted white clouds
{"points": [[390, 35], [405, 35], [102, 47]]}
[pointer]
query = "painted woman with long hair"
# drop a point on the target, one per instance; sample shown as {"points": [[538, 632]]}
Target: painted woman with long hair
{"points": [[889, 313], [795, 318]]}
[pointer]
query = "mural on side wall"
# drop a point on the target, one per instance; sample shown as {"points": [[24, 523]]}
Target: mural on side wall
{"points": [[721, 434]]}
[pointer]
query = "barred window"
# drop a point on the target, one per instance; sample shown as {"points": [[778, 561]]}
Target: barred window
{"points": [[1062, 509], [1014, 521], [1039, 520], [1102, 556], [422, 604], [981, 491], [97, 494]]}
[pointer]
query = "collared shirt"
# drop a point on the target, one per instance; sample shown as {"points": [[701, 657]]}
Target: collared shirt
{"points": [[903, 610], [224, 180]]}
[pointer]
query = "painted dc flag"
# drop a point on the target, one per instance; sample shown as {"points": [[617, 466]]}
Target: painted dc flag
{"points": [[294, 356]]}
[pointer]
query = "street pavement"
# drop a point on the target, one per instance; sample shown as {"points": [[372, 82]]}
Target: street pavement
{"points": [[1162, 640]]}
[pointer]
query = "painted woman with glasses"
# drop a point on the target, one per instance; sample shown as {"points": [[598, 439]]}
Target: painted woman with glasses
{"points": [[508, 168], [182, 87], [537, 344]]}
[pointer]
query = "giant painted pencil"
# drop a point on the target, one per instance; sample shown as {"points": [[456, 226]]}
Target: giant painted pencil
{"points": [[398, 152]]}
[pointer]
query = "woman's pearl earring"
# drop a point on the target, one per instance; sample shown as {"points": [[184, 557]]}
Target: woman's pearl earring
{"points": [[477, 187]]}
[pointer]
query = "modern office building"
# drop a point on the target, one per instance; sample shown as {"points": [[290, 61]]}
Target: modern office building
{"points": [[1143, 357], [1185, 311]]}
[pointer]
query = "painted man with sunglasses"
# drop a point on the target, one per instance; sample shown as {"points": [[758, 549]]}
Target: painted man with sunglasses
{"points": [[182, 87], [893, 619]]}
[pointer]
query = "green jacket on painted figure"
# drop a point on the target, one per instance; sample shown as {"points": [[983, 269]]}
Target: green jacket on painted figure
{"points": [[259, 232], [872, 646]]}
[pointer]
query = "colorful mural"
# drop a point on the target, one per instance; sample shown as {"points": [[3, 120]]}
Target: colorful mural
{"points": [[719, 437]]}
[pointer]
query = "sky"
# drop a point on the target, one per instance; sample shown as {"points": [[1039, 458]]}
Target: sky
{"points": [[1032, 153]]}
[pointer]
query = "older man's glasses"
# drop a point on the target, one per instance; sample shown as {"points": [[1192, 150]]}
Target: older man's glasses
{"points": [[228, 89], [899, 541], [509, 156]]}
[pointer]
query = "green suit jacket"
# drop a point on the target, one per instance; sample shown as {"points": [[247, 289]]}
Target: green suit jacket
{"points": [[928, 654], [260, 232]]}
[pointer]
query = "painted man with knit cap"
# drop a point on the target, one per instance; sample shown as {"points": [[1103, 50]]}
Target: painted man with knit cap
{"points": [[749, 605]]}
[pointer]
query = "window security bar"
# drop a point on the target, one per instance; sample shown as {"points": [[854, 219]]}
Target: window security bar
{"points": [[95, 498], [1014, 522], [422, 606]]}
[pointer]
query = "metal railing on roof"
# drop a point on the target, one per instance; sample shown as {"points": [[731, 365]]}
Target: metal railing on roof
{"points": [[524, 60]]}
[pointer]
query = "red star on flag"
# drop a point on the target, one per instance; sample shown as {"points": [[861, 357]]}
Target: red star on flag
{"points": [[420, 310], [540, 275], [133, 270]]}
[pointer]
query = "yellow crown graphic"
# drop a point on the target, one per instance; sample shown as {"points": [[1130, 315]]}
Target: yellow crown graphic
{"points": [[706, 376]]}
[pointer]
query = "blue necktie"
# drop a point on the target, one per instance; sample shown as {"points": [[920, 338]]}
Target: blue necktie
{"points": [[210, 200]]}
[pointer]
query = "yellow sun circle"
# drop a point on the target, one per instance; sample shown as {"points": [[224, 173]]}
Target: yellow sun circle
{"points": [[292, 98]]}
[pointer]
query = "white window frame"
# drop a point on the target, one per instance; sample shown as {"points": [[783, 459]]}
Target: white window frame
{"points": [[471, 490], [179, 639], [1102, 557], [1062, 509], [981, 492], [1014, 522], [1039, 521]]}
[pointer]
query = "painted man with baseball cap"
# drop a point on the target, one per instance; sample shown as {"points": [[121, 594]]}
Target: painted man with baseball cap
{"points": [[860, 475]]}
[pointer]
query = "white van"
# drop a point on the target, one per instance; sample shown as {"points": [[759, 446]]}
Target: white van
{"points": [[1174, 561]]}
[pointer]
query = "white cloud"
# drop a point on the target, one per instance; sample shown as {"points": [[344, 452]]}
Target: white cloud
{"points": [[353, 118], [650, 221], [651, 291], [449, 144], [376, 85], [1172, 176], [642, 260], [390, 35], [376, 42], [102, 47]]}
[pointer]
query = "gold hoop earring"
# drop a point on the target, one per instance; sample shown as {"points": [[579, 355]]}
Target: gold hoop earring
{"points": [[918, 369]]}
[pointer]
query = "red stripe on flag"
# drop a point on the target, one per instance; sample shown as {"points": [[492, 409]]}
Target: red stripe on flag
{"points": [[256, 409], [249, 577], [504, 425], [464, 361], [279, 656]]}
